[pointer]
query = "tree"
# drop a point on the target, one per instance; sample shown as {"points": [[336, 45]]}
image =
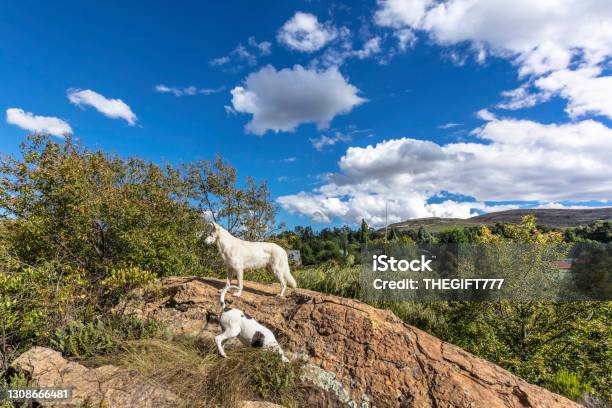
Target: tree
{"points": [[97, 211], [247, 211], [534, 339], [424, 237], [364, 232]]}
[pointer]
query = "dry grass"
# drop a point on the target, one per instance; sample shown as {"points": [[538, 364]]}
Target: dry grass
{"points": [[194, 371]]}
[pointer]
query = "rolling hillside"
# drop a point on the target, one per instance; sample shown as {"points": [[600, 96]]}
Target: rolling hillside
{"points": [[562, 218]]}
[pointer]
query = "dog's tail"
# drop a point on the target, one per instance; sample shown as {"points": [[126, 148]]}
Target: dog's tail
{"points": [[290, 280], [223, 292]]}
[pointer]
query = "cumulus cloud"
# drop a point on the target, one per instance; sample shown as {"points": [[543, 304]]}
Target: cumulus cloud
{"points": [[37, 124], [112, 108], [303, 32], [541, 36], [565, 162], [282, 100], [564, 43], [586, 91], [188, 90]]}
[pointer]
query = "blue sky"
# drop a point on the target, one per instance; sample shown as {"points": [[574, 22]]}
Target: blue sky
{"points": [[443, 108]]}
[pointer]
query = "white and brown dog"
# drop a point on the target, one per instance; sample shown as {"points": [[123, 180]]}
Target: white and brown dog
{"points": [[236, 323], [239, 255]]}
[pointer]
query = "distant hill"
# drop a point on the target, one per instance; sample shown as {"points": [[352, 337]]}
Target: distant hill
{"points": [[562, 218]]}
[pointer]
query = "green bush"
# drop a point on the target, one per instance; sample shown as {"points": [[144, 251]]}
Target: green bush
{"points": [[82, 340], [569, 384], [272, 378], [122, 280], [101, 336]]}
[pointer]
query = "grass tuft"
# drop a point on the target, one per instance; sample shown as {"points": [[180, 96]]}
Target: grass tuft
{"points": [[194, 371]]}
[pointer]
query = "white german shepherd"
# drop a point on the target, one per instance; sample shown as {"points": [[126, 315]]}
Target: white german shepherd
{"points": [[239, 255]]}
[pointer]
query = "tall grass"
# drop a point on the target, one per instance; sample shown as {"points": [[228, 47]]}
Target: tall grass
{"points": [[330, 278], [193, 370]]}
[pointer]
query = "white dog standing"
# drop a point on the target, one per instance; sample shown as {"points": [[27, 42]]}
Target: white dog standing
{"points": [[236, 323], [240, 255]]}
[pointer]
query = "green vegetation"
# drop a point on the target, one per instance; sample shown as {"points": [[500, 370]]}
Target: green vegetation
{"points": [[194, 371], [534, 340], [570, 384], [101, 336], [79, 229]]}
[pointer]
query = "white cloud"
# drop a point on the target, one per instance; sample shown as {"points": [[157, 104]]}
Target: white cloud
{"points": [[586, 91], [405, 38], [37, 124], [342, 50], [563, 42], [216, 62], [540, 36], [521, 98], [264, 47], [244, 55], [282, 100], [112, 108], [321, 142], [371, 47], [561, 206], [484, 114], [189, 90], [303, 32], [449, 125], [519, 160]]}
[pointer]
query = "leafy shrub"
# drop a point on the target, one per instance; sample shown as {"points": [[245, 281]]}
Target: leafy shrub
{"points": [[81, 340], [16, 380], [569, 384], [122, 280], [102, 336], [125, 279], [35, 300], [272, 378]]}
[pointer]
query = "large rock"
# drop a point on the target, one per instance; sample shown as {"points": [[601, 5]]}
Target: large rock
{"points": [[106, 386], [357, 355]]}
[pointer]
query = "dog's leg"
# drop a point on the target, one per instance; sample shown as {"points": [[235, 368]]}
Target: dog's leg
{"points": [[283, 358], [276, 347], [239, 273], [283, 283], [229, 333], [230, 272], [228, 278]]}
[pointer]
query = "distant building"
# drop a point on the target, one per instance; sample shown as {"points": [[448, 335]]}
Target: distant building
{"points": [[295, 256]]}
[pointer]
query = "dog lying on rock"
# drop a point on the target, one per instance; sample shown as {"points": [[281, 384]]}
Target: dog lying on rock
{"points": [[236, 323]]}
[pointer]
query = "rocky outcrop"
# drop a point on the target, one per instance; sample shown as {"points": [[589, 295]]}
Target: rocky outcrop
{"points": [[106, 386], [357, 355]]}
